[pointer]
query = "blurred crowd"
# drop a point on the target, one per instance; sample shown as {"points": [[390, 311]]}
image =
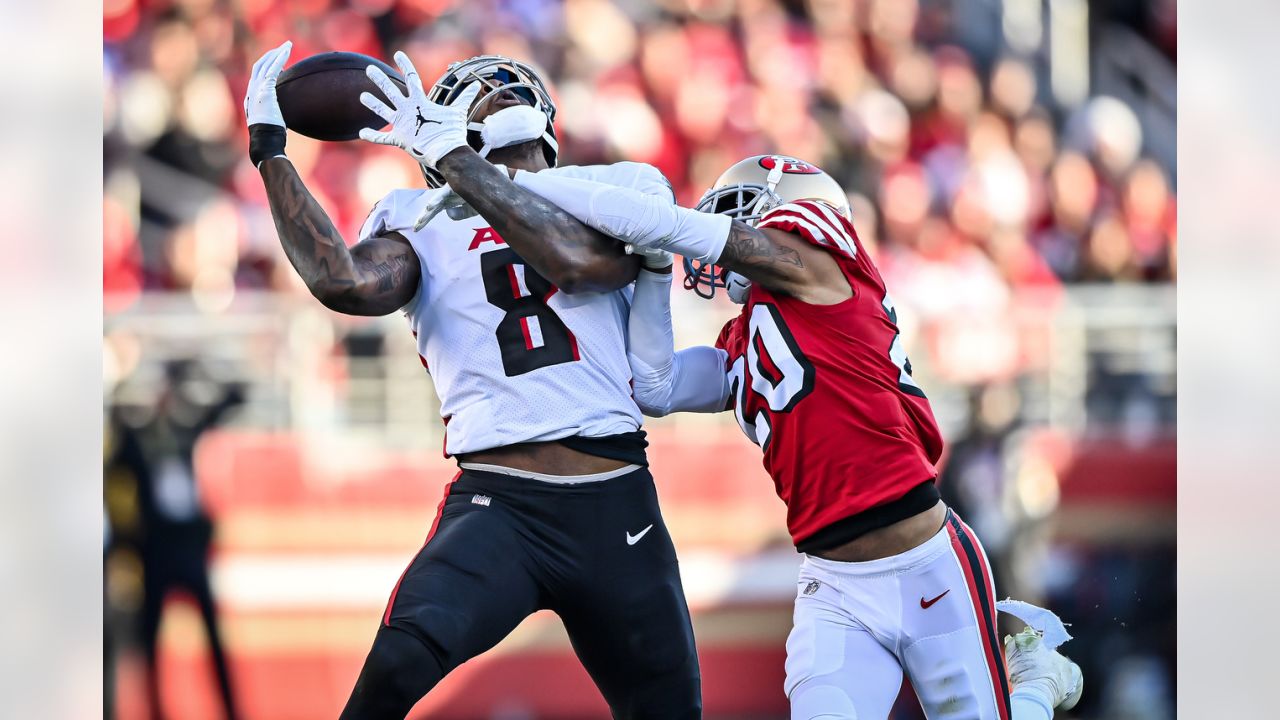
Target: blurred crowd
{"points": [[963, 167]]}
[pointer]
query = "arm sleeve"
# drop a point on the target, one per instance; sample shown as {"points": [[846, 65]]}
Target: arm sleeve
{"points": [[665, 381], [648, 180], [639, 176], [652, 222]]}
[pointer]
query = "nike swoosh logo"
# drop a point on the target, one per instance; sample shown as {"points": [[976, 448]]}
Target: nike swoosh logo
{"points": [[924, 604], [633, 539]]}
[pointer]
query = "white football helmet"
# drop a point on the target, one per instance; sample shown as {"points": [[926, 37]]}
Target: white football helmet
{"points": [[498, 73], [748, 190]]}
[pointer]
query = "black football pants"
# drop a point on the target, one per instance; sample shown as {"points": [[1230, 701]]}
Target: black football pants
{"points": [[597, 554]]}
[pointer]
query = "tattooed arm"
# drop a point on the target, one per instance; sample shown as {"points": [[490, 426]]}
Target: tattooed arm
{"points": [[776, 259], [573, 256], [375, 277], [783, 262]]}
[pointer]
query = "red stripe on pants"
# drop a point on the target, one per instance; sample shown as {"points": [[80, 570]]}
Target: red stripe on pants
{"points": [[386, 616], [979, 582]]}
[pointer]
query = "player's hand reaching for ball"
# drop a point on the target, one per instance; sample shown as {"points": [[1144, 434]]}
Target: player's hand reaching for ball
{"points": [[424, 129], [262, 110]]}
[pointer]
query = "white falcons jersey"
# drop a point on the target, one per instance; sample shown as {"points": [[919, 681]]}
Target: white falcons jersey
{"points": [[514, 359]]}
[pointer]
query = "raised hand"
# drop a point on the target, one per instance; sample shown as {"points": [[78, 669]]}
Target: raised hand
{"points": [[425, 130], [262, 109], [260, 104]]}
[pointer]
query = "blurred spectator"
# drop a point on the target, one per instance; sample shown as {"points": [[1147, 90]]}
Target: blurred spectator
{"points": [[1073, 198], [1151, 218], [974, 480], [154, 449]]}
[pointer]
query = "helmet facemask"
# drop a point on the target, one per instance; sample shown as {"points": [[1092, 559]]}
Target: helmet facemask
{"points": [[747, 202], [496, 73]]}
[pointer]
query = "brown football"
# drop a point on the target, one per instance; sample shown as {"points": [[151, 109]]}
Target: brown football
{"points": [[320, 95]]}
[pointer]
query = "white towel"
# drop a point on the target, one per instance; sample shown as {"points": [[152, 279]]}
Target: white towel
{"points": [[1050, 626]]}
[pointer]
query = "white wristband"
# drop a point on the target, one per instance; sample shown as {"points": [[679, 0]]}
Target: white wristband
{"points": [[273, 157]]}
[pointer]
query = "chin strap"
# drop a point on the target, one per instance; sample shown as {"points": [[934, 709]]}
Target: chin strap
{"points": [[775, 174], [737, 286]]}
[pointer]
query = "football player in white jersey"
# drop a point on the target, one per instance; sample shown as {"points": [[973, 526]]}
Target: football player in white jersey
{"points": [[520, 313]]}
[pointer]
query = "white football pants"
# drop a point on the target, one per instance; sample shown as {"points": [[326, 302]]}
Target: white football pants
{"points": [[929, 612]]}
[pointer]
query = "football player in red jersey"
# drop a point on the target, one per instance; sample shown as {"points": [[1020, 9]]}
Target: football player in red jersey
{"points": [[892, 581]]}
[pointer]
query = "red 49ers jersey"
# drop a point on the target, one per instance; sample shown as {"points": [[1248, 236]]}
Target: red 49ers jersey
{"points": [[826, 391]]}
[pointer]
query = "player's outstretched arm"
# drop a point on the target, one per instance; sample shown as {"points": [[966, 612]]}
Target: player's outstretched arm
{"points": [[784, 263], [375, 277], [572, 255], [773, 258], [664, 381]]}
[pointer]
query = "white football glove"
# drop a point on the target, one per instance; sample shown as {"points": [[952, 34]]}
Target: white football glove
{"points": [[260, 104], [425, 130], [653, 258]]}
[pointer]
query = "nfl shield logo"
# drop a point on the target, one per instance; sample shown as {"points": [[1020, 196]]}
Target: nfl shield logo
{"points": [[812, 587]]}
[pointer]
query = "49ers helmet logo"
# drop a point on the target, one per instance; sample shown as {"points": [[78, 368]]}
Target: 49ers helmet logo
{"points": [[790, 165]]}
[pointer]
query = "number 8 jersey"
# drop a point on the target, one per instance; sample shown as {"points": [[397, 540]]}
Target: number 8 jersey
{"points": [[512, 358], [826, 391]]}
